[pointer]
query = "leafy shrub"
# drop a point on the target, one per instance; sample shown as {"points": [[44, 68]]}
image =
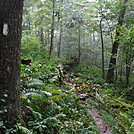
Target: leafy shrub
{"points": [[30, 46], [57, 107]]}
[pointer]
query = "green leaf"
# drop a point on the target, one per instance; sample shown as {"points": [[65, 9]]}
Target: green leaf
{"points": [[1, 123], [24, 130]]}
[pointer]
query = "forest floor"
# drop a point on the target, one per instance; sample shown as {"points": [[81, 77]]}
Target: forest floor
{"points": [[102, 126], [79, 102], [79, 88]]}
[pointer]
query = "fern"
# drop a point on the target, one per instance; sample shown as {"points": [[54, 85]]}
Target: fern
{"points": [[35, 83], [33, 93], [37, 115], [38, 127], [36, 99], [23, 130], [45, 126], [60, 116], [18, 128]]}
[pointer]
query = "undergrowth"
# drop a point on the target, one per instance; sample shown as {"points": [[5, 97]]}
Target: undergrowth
{"points": [[56, 101]]}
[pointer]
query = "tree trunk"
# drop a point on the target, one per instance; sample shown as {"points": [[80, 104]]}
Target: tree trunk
{"points": [[112, 64], [120, 70], [128, 62], [102, 47], [42, 40], [52, 31], [48, 38], [60, 42], [127, 72], [61, 30], [79, 48], [42, 36], [10, 40]]}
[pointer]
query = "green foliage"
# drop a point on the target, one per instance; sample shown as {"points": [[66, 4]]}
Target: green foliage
{"points": [[90, 71], [119, 113], [49, 106], [22, 130], [62, 106], [90, 74], [31, 46], [76, 116], [51, 109]]}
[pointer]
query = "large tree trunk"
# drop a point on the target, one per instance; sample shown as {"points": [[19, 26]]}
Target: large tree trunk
{"points": [[10, 40], [112, 64]]}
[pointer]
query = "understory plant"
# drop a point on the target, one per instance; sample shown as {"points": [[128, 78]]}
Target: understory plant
{"points": [[54, 105]]}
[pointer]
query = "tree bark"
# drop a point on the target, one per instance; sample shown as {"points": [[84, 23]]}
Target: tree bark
{"points": [[60, 41], [42, 40], [127, 72], [61, 30], [102, 47], [10, 40], [79, 47], [112, 64], [129, 57], [52, 31]]}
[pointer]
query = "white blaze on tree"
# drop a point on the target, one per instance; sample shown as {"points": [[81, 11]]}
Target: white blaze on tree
{"points": [[5, 29]]}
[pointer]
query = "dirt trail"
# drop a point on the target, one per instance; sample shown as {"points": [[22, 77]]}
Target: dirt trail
{"points": [[101, 125]]}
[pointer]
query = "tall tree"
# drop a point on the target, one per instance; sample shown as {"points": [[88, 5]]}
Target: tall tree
{"points": [[52, 29], [10, 39], [79, 47], [102, 46], [112, 64], [42, 40], [102, 40], [61, 29]]}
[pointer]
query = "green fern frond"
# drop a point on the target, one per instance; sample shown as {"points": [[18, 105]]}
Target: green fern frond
{"points": [[35, 83], [23, 130], [51, 121], [54, 91], [36, 93], [37, 115], [61, 115], [52, 110]]}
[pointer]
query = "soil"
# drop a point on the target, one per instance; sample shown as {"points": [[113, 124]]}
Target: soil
{"points": [[101, 125]]}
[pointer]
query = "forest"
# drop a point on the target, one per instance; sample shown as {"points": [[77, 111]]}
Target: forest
{"points": [[67, 67]]}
